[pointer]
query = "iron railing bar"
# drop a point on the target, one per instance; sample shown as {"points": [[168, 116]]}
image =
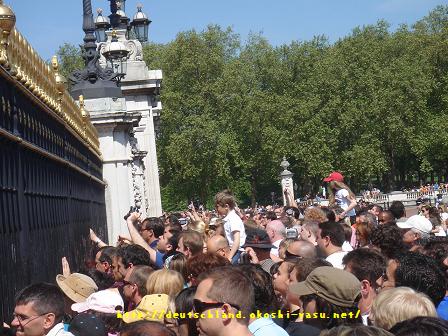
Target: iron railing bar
{"points": [[6, 75], [42, 152]]}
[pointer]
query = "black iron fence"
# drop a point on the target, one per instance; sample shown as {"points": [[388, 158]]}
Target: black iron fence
{"points": [[51, 192]]}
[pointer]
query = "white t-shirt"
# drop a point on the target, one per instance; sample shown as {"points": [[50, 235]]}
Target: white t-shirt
{"points": [[233, 222], [346, 247], [341, 198], [274, 250], [336, 259], [441, 232]]}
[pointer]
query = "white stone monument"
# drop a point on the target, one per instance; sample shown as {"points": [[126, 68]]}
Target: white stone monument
{"points": [[286, 181], [120, 161], [124, 115], [127, 134], [140, 89]]}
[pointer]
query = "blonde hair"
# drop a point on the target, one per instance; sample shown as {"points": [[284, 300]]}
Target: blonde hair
{"points": [[165, 282], [198, 226], [171, 323], [338, 186], [315, 214], [178, 263], [399, 304]]}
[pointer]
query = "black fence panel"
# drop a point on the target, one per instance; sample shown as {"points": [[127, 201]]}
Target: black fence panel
{"points": [[51, 193]]}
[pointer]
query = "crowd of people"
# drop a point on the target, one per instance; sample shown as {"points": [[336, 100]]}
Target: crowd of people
{"points": [[342, 269], [430, 187]]}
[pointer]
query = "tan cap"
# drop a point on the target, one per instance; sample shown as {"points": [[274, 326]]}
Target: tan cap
{"points": [[332, 284], [78, 287]]}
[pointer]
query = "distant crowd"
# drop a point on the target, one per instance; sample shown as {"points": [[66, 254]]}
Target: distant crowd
{"points": [[346, 269]]}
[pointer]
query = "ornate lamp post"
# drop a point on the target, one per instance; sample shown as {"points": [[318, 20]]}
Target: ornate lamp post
{"points": [[93, 81]]}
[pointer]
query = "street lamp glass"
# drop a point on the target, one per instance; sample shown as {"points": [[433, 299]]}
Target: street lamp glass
{"points": [[141, 31], [101, 25], [140, 24], [100, 34], [118, 65], [116, 55]]}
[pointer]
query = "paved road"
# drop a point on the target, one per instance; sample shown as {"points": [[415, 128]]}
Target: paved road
{"points": [[410, 211]]}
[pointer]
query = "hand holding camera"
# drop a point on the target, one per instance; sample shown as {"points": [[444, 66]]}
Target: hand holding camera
{"points": [[132, 210]]}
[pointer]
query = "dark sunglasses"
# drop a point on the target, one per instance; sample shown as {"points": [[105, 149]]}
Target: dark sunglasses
{"points": [[199, 306]]}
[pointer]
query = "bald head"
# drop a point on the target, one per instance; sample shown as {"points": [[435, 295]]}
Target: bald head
{"points": [[275, 230], [217, 243], [303, 249]]}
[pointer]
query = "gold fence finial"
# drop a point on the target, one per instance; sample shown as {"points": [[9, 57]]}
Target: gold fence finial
{"points": [[60, 79], [85, 115], [82, 107], [7, 23], [54, 62], [81, 102]]}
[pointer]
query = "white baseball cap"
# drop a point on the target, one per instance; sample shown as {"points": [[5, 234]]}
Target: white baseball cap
{"points": [[417, 222]]}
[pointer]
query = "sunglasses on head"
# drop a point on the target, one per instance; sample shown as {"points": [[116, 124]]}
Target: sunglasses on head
{"points": [[199, 306]]}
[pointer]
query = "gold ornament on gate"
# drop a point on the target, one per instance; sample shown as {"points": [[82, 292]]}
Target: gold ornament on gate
{"points": [[7, 22]]}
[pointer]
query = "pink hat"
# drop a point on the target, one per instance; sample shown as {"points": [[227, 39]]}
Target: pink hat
{"points": [[104, 301], [334, 176]]}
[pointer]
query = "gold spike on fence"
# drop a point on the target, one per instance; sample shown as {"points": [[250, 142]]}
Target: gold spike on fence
{"points": [[19, 58]]}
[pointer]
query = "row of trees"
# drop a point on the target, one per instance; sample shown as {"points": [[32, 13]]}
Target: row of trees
{"points": [[373, 105]]}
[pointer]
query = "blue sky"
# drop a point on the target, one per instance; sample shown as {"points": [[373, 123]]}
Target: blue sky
{"points": [[53, 22]]}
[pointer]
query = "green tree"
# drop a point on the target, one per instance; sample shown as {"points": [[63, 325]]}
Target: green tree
{"points": [[197, 157], [373, 105], [70, 59]]}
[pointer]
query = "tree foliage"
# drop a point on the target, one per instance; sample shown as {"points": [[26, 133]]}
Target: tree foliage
{"points": [[70, 59], [373, 105]]}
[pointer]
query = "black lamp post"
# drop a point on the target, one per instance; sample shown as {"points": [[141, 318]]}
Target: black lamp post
{"points": [[93, 81]]}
